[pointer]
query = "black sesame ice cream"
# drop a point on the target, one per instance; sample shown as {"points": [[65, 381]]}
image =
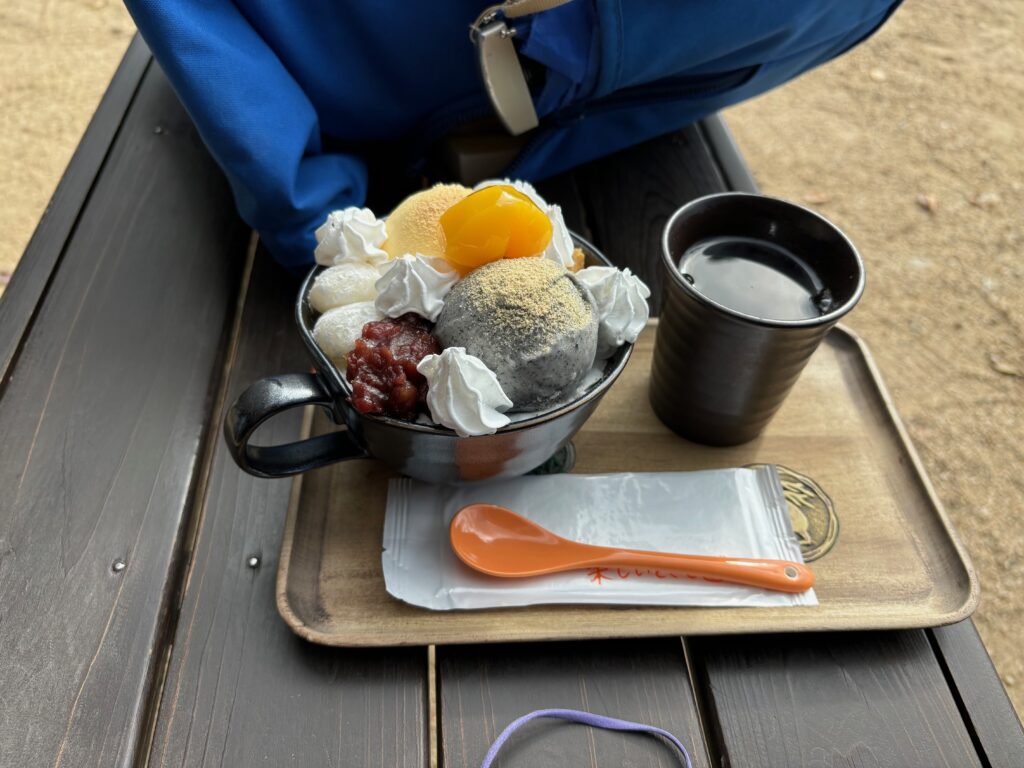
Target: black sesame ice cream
{"points": [[530, 321]]}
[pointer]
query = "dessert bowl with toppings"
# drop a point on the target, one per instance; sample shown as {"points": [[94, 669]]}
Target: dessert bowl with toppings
{"points": [[468, 337]]}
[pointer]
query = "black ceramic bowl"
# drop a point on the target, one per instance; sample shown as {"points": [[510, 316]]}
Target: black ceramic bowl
{"points": [[431, 453]]}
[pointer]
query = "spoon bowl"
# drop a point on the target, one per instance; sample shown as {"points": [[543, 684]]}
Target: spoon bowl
{"points": [[497, 541]]}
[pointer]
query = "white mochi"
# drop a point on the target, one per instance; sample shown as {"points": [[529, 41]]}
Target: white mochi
{"points": [[346, 283], [337, 330]]}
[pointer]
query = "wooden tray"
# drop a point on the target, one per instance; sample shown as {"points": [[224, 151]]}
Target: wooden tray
{"points": [[860, 499]]}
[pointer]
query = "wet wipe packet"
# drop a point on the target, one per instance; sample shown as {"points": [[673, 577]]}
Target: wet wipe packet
{"points": [[734, 512]]}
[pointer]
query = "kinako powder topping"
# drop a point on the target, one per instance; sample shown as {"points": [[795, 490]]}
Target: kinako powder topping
{"points": [[531, 296]]}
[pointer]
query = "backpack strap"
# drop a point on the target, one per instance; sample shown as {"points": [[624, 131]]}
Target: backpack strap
{"points": [[500, 68], [502, 73], [513, 9]]}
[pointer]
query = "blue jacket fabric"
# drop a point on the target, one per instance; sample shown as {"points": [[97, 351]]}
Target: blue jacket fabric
{"points": [[285, 94]]}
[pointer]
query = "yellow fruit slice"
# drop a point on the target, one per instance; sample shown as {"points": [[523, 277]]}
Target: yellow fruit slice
{"points": [[494, 223]]}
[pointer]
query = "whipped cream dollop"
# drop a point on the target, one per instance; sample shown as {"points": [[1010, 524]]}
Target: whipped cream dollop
{"points": [[620, 299], [414, 283], [351, 234], [560, 248], [463, 394]]}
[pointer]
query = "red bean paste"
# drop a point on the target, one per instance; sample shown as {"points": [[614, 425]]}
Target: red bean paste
{"points": [[382, 367]]}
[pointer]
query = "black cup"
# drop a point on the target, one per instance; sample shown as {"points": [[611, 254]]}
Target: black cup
{"points": [[719, 375]]}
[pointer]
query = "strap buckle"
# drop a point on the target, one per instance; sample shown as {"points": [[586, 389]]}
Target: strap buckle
{"points": [[502, 72]]}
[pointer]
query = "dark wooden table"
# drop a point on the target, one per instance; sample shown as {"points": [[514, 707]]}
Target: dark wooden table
{"points": [[137, 563]]}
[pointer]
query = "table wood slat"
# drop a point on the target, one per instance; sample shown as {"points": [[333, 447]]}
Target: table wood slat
{"points": [[242, 689], [831, 699], [629, 196], [985, 707], [103, 421], [484, 688], [20, 300]]}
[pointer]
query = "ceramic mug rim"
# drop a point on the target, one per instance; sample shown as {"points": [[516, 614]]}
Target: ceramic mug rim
{"points": [[670, 263]]}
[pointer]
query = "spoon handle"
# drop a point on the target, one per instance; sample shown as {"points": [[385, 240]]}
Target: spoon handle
{"points": [[779, 575]]}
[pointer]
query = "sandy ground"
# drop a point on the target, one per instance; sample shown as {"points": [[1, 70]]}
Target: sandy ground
{"points": [[57, 57], [912, 143]]}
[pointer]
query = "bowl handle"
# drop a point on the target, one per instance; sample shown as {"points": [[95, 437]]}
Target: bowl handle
{"points": [[268, 397]]}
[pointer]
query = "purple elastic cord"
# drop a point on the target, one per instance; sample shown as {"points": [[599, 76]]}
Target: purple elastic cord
{"points": [[587, 718]]}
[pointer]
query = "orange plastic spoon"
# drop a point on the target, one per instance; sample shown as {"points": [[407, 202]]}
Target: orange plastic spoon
{"points": [[499, 542]]}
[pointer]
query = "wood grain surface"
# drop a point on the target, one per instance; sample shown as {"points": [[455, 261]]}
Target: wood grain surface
{"points": [[839, 699], [103, 421], [241, 689], [483, 689], [984, 706], [44, 250]]}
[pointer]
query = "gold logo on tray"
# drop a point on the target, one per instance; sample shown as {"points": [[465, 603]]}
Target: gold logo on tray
{"points": [[811, 509]]}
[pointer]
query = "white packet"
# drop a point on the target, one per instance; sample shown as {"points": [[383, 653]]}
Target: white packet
{"points": [[737, 512]]}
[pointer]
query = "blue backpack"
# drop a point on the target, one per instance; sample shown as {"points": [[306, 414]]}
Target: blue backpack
{"points": [[288, 95]]}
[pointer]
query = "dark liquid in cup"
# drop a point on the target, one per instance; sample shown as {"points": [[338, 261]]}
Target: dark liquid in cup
{"points": [[755, 277]]}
